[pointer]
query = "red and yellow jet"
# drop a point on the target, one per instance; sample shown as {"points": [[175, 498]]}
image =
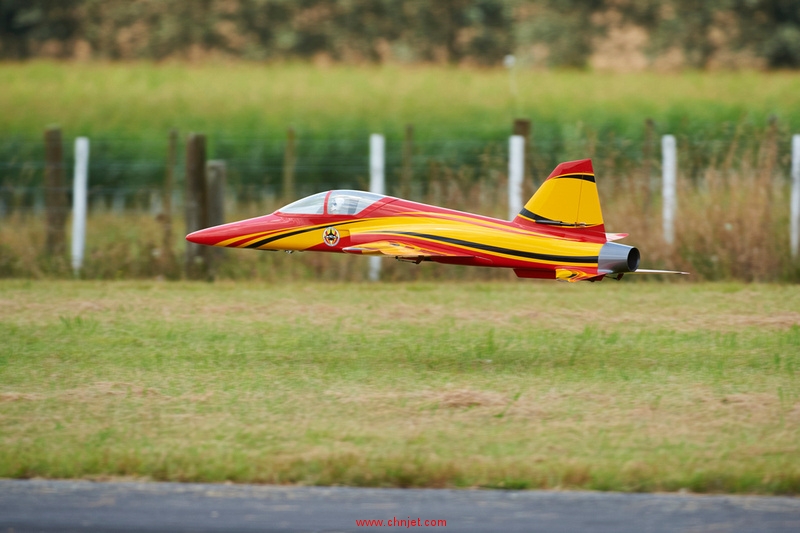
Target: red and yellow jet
{"points": [[559, 234]]}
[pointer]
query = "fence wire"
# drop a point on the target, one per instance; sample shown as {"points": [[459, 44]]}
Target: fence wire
{"points": [[126, 173]]}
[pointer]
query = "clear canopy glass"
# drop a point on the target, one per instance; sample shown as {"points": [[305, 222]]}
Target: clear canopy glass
{"points": [[341, 202], [310, 205], [350, 202]]}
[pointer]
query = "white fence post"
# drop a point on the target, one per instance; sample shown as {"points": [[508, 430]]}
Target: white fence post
{"points": [[79, 190], [516, 171], [670, 179], [794, 220], [377, 149]]}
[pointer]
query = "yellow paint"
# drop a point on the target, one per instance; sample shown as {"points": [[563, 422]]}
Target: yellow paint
{"points": [[395, 249], [569, 200], [564, 274], [252, 236], [366, 232], [495, 237], [303, 240], [469, 219]]}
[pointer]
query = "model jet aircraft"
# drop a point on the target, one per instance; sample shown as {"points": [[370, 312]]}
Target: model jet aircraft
{"points": [[559, 234]]}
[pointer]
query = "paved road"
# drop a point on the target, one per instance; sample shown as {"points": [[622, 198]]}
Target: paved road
{"points": [[72, 506]]}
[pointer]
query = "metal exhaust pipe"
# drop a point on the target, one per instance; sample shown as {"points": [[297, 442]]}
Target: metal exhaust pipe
{"points": [[617, 259]]}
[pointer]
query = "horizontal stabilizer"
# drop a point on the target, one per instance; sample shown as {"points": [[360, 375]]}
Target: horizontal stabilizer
{"points": [[646, 271]]}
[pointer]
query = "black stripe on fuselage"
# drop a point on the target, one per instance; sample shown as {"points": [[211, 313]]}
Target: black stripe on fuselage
{"points": [[499, 250], [274, 238]]}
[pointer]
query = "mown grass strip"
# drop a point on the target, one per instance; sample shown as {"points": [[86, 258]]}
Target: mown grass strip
{"points": [[523, 385]]}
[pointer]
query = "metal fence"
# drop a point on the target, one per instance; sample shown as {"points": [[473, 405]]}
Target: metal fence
{"points": [[129, 173]]}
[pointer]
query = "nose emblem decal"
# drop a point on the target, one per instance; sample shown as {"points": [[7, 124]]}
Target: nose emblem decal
{"points": [[330, 236]]}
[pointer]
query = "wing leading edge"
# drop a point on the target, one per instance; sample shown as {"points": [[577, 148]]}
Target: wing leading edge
{"points": [[399, 250]]}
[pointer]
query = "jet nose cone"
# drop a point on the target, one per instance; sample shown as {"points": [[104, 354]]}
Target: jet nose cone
{"points": [[235, 233], [208, 236]]}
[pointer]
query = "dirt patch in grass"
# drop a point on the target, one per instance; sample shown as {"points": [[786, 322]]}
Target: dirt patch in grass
{"points": [[19, 396], [515, 306]]}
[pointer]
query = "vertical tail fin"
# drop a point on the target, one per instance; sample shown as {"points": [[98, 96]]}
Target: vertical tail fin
{"points": [[567, 200]]}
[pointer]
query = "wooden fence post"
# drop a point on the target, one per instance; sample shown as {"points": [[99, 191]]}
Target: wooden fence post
{"points": [[54, 194], [196, 204], [289, 163], [794, 202], [216, 172], [522, 127], [167, 254], [769, 157], [407, 173], [647, 164]]}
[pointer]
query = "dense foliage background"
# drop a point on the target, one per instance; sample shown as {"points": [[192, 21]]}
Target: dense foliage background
{"points": [[606, 34], [247, 72]]}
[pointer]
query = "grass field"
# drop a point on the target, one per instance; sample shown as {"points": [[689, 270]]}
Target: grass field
{"points": [[144, 100], [609, 386]]}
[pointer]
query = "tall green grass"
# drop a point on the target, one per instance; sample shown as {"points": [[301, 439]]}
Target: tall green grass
{"points": [[731, 225], [245, 109], [143, 100], [733, 166]]}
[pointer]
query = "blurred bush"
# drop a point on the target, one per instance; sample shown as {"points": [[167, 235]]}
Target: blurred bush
{"points": [[615, 34]]}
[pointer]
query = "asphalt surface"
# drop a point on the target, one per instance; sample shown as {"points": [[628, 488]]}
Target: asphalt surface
{"points": [[71, 506]]}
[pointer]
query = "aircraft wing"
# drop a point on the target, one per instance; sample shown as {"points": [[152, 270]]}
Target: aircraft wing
{"points": [[396, 249], [572, 275], [646, 271]]}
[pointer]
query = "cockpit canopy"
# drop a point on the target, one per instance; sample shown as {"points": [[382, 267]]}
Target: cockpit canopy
{"points": [[341, 202]]}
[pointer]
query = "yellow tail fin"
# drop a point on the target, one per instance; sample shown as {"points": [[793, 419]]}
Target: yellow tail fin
{"points": [[567, 199]]}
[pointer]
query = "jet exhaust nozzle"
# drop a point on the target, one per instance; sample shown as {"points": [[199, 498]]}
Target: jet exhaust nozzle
{"points": [[617, 258]]}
